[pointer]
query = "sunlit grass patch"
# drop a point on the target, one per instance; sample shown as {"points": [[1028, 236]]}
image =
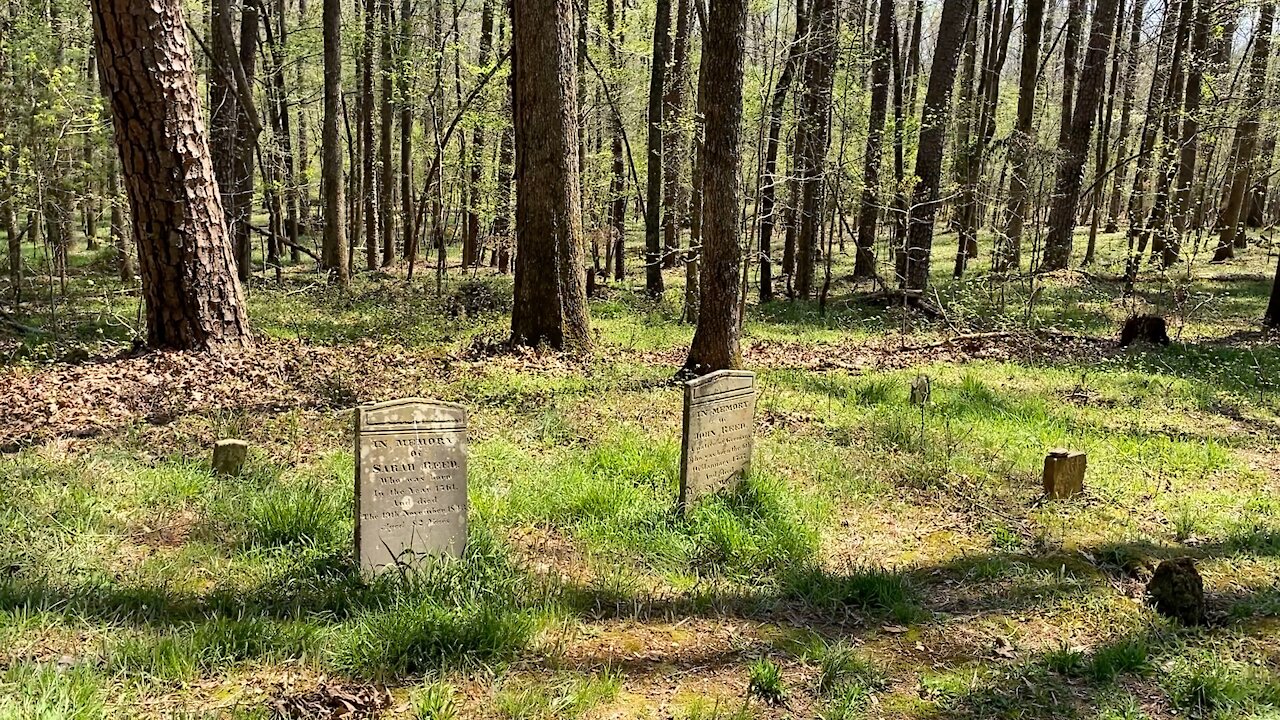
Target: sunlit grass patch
{"points": [[569, 696], [42, 691]]}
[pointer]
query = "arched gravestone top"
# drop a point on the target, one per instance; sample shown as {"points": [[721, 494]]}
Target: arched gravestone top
{"points": [[719, 424], [411, 481]]}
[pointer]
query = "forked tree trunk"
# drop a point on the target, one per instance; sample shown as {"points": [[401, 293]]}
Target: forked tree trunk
{"points": [[550, 290], [193, 300], [716, 339]]}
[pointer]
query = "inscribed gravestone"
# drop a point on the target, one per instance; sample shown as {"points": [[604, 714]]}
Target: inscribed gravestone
{"points": [[411, 481], [719, 419]]}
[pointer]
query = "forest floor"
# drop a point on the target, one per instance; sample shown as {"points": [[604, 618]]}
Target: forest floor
{"points": [[882, 561]]}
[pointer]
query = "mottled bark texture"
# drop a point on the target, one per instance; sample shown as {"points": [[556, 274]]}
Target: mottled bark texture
{"points": [[716, 339], [334, 256], [550, 288], [193, 300]]}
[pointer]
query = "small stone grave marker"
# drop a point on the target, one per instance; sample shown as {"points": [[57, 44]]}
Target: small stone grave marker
{"points": [[411, 481], [229, 456], [1064, 473], [719, 424]]}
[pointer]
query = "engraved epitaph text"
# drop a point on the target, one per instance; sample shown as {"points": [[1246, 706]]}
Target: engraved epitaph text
{"points": [[719, 419], [411, 481]]}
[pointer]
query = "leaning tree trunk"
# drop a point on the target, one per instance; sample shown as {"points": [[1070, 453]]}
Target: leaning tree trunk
{"points": [[716, 339], [1066, 194], [1230, 234], [550, 290], [193, 300], [864, 260], [914, 261], [814, 141]]}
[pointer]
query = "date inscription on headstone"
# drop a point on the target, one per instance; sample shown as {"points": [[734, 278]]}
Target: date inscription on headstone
{"points": [[719, 421], [411, 482]]}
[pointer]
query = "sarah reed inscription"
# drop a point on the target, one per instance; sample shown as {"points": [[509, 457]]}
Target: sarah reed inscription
{"points": [[411, 482]]}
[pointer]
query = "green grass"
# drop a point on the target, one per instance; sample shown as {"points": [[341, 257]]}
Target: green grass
{"points": [[910, 553]]}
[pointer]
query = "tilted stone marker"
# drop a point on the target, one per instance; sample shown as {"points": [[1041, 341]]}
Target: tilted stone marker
{"points": [[411, 482], [229, 455], [719, 421], [1064, 473]]}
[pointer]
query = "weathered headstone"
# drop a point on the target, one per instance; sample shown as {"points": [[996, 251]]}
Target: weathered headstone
{"points": [[229, 456], [719, 421], [411, 481], [1064, 473]]}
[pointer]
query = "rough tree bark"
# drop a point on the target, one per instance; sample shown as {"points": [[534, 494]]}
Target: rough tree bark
{"points": [[550, 289], [716, 339], [193, 300]]}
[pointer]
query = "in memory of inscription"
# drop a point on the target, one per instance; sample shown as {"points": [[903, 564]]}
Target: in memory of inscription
{"points": [[719, 420], [411, 482]]}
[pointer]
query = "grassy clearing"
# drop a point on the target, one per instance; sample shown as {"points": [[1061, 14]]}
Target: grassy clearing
{"points": [[880, 562]]}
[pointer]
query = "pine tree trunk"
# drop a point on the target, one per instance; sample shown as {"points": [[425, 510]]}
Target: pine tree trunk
{"points": [[193, 300], [1070, 175], [550, 292], [914, 262], [716, 339]]}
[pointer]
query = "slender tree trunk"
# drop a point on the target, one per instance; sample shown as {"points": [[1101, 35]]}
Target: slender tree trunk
{"points": [[1133, 53], [304, 148], [506, 170], [815, 140], [472, 238], [1023, 139], [914, 262], [119, 231], [193, 300], [618, 176], [334, 244], [674, 139], [1230, 232], [716, 339], [653, 194], [1070, 67], [550, 291], [1066, 195], [1189, 142], [864, 263], [768, 190], [386, 133]]}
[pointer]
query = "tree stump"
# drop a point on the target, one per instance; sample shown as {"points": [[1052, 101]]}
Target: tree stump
{"points": [[1177, 591], [228, 456], [1064, 473], [1144, 328]]}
